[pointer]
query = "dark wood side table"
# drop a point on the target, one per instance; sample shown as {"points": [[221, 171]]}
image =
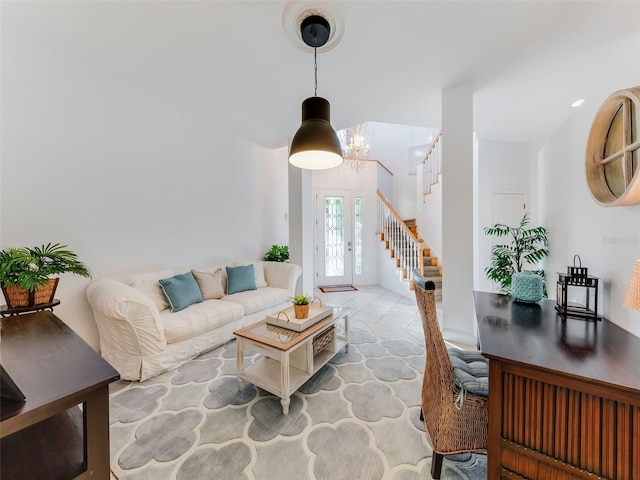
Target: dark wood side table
{"points": [[564, 393], [61, 431]]}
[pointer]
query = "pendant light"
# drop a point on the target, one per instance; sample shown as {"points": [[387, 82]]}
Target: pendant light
{"points": [[315, 146]]}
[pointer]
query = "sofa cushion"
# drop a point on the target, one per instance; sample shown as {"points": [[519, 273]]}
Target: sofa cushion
{"points": [[240, 279], [148, 284], [181, 291], [258, 268], [255, 300], [199, 318], [210, 283]]}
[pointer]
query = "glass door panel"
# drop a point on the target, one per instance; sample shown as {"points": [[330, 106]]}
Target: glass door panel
{"points": [[334, 236], [339, 246]]}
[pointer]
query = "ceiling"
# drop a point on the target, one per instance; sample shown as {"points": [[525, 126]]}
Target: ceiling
{"points": [[235, 63]]}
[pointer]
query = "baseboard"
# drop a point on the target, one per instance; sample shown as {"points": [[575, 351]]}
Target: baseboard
{"points": [[459, 336]]}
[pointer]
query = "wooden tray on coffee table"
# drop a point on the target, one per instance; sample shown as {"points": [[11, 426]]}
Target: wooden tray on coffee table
{"points": [[287, 318]]}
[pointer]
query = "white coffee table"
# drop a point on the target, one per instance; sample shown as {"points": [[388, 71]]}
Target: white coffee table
{"points": [[288, 359]]}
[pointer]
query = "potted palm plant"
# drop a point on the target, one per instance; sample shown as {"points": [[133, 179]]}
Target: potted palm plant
{"points": [[27, 274], [527, 246]]}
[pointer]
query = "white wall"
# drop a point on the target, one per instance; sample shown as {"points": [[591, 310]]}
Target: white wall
{"points": [[389, 276], [429, 215], [301, 226], [390, 145], [503, 167], [127, 181], [607, 239], [272, 168], [385, 181]]}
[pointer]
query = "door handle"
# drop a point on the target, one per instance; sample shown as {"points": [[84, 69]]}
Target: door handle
{"points": [[349, 244]]}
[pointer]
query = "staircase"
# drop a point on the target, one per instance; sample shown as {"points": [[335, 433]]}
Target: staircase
{"points": [[432, 165], [432, 271], [405, 248], [430, 268], [401, 238]]}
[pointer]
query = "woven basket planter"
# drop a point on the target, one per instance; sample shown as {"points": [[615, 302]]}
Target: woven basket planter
{"points": [[17, 296]]}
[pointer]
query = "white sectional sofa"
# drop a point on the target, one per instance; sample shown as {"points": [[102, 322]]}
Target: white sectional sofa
{"points": [[143, 335]]}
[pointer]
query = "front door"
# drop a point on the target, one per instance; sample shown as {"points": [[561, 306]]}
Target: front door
{"points": [[338, 236]]}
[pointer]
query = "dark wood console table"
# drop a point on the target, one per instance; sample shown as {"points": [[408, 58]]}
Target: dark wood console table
{"points": [[6, 311], [564, 394], [61, 431]]}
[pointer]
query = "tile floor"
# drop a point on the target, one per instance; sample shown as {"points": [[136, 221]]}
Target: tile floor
{"points": [[381, 311]]}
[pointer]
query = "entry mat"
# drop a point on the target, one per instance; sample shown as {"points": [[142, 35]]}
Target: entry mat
{"points": [[338, 288]]}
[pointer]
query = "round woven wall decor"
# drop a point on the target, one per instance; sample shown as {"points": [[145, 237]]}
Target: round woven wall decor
{"points": [[613, 150]]}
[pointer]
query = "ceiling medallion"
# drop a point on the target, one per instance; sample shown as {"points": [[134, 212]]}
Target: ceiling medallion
{"points": [[297, 11]]}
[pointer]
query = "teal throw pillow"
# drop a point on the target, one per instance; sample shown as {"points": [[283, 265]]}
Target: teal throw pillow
{"points": [[240, 279], [181, 291]]}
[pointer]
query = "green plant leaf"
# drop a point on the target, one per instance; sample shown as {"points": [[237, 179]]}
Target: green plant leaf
{"points": [[301, 299], [277, 253], [528, 246], [33, 266]]}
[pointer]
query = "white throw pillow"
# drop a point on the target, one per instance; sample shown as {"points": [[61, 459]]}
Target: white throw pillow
{"points": [[147, 283], [258, 268], [210, 282]]}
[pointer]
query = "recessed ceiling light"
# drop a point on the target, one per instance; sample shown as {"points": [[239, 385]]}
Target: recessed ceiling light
{"points": [[577, 103]]}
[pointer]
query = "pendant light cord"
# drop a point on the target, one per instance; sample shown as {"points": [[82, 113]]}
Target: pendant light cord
{"points": [[315, 66]]}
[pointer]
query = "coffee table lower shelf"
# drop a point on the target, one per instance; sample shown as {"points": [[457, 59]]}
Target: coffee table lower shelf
{"points": [[284, 369]]}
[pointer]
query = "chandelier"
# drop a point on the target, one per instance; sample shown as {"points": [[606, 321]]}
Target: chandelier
{"points": [[355, 146]]}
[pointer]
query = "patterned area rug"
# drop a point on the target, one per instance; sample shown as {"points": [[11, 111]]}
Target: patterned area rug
{"points": [[357, 418]]}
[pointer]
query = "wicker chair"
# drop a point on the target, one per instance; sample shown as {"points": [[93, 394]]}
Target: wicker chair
{"points": [[452, 426]]}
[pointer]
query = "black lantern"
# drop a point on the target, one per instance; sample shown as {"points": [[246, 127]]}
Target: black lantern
{"points": [[577, 292]]}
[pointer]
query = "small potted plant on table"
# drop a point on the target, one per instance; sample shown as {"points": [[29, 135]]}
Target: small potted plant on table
{"points": [[301, 305], [26, 273]]}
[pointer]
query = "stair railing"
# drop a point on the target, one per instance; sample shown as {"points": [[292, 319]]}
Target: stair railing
{"points": [[405, 247], [432, 164]]}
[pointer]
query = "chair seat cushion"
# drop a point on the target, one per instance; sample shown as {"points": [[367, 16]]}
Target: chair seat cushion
{"points": [[471, 371]]}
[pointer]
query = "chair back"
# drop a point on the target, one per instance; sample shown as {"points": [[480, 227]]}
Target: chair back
{"points": [[438, 385]]}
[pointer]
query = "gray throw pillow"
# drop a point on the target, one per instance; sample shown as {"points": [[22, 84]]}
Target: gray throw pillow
{"points": [[210, 283]]}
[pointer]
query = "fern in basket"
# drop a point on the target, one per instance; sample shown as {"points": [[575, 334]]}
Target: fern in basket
{"points": [[30, 267]]}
